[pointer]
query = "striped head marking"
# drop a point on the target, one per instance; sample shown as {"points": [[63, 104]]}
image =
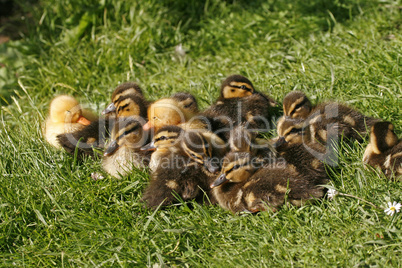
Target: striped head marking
{"points": [[296, 105], [236, 86]]}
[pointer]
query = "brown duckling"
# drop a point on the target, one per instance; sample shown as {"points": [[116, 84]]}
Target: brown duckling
{"points": [[123, 153], [253, 111], [296, 105], [65, 116], [384, 150], [177, 109], [183, 166], [120, 93], [246, 185], [350, 123], [95, 134], [297, 144], [238, 86]]}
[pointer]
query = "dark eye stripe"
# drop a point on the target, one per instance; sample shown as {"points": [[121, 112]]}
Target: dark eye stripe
{"points": [[237, 167], [188, 105], [242, 87], [299, 105], [122, 107], [165, 138], [126, 132]]}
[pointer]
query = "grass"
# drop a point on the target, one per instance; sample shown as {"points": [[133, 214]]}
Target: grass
{"points": [[52, 213]]}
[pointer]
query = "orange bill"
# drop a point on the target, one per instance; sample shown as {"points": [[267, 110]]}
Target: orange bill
{"points": [[147, 126], [83, 121]]}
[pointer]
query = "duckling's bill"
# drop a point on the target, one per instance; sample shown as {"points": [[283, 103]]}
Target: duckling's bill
{"points": [[83, 121], [149, 147], [219, 181], [109, 109], [279, 142], [113, 146], [147, 126]]}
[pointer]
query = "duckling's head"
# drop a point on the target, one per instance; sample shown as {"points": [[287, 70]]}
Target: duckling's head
{"points": [[187, 103], [237, 167], [296, 105], [171, 111], [166, 137], [130, 105], [128, 88], [236, 86], [127, 132], [197, 147], [66, 109], [382, 138], [292, 131]]}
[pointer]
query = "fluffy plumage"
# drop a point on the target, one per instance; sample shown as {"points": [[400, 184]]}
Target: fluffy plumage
{"points": [[123, 153], [384, 150], [65, 116]]}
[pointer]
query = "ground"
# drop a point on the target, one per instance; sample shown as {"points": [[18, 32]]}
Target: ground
{"points": [[53, 213]]}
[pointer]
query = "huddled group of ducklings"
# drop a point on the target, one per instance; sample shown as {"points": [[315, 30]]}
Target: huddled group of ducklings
{"points": [[218, 155]]}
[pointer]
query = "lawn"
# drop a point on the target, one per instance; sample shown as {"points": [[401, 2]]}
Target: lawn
{"points": [[54, 214]]}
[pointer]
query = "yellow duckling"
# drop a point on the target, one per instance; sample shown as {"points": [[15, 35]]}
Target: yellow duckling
{"points": [[177, 109], [384, 150], [65, 116], [123, 152]]}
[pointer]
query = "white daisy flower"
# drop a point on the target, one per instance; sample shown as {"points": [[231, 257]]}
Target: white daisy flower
{"points": [[332, 193], [393, 208]]}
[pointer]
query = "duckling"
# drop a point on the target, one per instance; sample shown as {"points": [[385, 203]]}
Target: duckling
{"points": [[95, 134], [238, 86], [384, 150], [296, 105], [350, 123], [123, 152], [120, 92], [205, 149], [246, 185], [164, 144], [65, 116], [177, 109], [183, 165], [253, 111], [297, 144]]}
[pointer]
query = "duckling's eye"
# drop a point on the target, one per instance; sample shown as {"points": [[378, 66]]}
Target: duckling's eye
{"points": [[243, 87], [68, 111], [236, 167], [154, 117], [295, 130], [161, 138]]}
